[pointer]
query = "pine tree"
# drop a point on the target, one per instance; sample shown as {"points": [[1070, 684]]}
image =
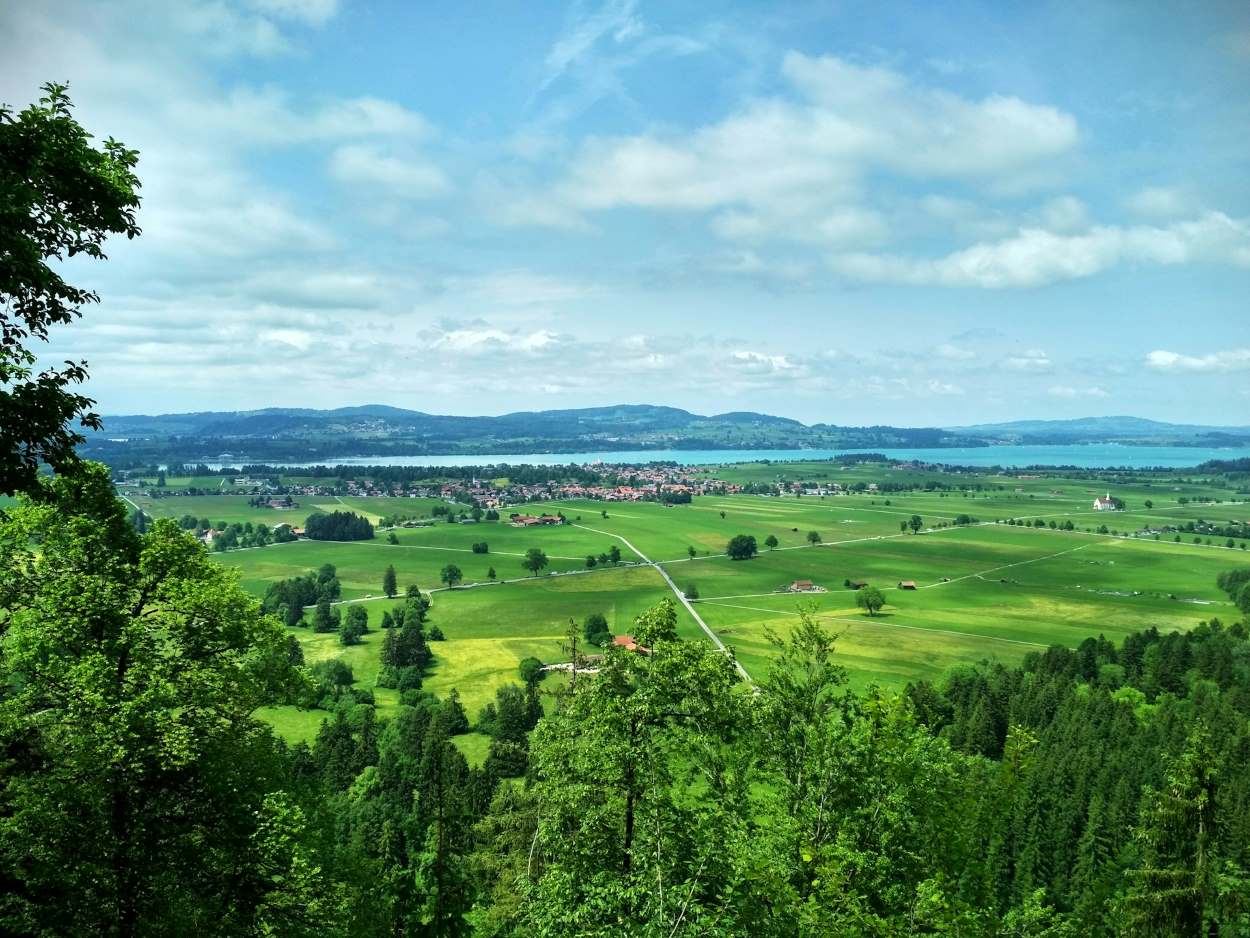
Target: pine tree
{"points": [[390, 583], [1186, 884], [390, 649]]}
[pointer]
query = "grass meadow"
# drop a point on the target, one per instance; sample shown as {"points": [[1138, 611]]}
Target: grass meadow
{"points": [[986, 591]]}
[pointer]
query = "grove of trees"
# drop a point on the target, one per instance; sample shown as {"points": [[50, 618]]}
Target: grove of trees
{"points": [[337, 526]]}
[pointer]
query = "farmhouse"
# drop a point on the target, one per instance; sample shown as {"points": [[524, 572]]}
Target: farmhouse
{"points": [[805, 586], [627, 642], [857, 584], [907, 584], [529, 521], [1104, 504]]}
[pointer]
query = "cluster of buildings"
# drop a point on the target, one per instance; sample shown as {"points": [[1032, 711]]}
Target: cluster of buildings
{"points": [[650, 483], [530, 521], [613, 484]]}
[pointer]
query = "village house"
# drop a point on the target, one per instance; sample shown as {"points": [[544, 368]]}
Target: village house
{"points": [[627, 642], [802, 586], [907, 584], [529, 521]]}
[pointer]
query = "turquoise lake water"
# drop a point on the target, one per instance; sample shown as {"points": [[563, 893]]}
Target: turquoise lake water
{"points": [[1089, 456]]}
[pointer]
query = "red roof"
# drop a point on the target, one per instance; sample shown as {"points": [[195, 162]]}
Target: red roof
{"points": [[627, 642]]}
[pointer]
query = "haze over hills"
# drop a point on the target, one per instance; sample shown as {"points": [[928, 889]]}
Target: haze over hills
{"points": [[377, 429], [290, 433], [1102, 429]]}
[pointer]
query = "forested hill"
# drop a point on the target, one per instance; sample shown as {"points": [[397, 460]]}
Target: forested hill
{"points": [[381, 430], [1107, 430], [278, 433]]}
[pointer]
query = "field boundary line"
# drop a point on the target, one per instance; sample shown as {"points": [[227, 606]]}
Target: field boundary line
{"points": [[892, 625], [927, 586], [482, 584], [1018, 563]]}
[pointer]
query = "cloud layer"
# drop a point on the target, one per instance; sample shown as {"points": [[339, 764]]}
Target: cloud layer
{"points": [[639, 203]]}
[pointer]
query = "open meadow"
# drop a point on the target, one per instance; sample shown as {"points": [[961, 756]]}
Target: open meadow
{"points": [[1001, 565]]}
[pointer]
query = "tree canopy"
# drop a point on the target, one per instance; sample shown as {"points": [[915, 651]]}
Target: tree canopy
{"points": [[60, 197], [741, 547], [337, 526]]}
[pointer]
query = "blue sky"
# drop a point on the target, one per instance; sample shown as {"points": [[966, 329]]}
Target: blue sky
{"points": [[906, 213]]}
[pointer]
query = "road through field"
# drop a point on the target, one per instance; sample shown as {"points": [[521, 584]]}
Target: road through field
{"points": [[678, 593]]}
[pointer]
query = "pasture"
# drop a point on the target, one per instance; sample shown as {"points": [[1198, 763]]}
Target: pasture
{"points": [[988, 590]]}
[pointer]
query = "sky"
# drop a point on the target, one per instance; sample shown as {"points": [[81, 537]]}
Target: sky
{"points": [[850, 212]]}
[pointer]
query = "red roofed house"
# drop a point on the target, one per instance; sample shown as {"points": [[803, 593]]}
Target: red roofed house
{"points": [[627, 642]]}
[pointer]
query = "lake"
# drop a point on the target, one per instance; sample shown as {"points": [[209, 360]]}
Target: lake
{"points": [[1087, 456]]}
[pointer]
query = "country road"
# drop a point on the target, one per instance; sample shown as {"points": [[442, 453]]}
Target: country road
{"points": [[678, 593]]}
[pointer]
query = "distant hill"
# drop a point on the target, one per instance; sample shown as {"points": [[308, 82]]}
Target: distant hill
{"points": [[305, 434], [1106, 429]]}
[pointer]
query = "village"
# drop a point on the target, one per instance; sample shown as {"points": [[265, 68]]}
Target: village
{"points": [[652, 482]]}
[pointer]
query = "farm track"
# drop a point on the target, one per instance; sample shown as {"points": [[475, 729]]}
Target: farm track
{"points": [[680, 596], [928, 586]]}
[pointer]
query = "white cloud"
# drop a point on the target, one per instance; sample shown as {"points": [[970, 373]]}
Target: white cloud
{"points": [[311, 12], [1227, 360], [518, 288], [480, 341], [929, 132], [405, 177], [616, 20], [761, 363], [297, 339], [1071, 393], [1064, 214], [1034, 256], [1160, 203], [1032, 360], [953, 352], [797, 166]]}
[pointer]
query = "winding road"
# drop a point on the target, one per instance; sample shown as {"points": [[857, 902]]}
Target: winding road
{"points": [[679, 594]]}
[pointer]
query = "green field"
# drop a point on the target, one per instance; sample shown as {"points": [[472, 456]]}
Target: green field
{"points": [[988, 590]]}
